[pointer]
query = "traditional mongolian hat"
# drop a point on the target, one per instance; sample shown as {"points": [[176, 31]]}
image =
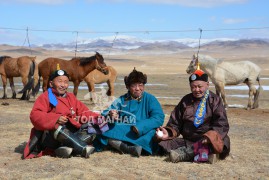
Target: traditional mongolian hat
{"points": [[135, 77], [198, 75], [58, 72]]}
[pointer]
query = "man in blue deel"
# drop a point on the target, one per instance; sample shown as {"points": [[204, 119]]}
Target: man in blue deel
{"points": [[133, 119]]}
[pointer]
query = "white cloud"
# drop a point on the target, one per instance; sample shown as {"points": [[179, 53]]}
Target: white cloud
{"points": [[213, 18], [48, 2], [234, 21], [189, 3]]}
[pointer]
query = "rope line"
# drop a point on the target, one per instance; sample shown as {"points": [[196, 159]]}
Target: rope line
{"points": [[130, 32]]}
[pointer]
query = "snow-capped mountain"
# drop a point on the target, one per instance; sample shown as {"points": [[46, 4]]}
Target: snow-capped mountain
{"points": [[126, 43]]}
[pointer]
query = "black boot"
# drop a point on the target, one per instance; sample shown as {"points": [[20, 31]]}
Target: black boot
{"points": [[69, 139], [181, 154], [124, 148], [85, 137], [63, 152]]}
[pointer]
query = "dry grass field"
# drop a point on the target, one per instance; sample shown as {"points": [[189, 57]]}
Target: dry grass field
{"points": [[167, 80]]}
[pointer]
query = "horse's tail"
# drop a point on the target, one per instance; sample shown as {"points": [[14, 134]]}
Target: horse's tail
{"points": [[37, 87], [30, 82], [257, 94]]}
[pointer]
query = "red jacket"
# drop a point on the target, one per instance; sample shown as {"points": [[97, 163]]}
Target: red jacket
{"points": [[44, 116]]}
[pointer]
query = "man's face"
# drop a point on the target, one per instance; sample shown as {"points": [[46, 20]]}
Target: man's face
{"points": [[198, 88], [136, 89], [60, 84]]}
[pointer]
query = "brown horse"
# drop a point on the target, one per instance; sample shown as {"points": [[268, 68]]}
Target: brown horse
{"points": [[77, 68], [23, 67], [96, 77]]}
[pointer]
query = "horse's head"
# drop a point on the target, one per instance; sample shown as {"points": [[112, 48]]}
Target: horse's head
{"points": [[100, 64], [193, 65], [33, 58]]}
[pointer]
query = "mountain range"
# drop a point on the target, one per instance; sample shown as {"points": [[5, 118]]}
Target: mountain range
{"points": [[125, 44]]}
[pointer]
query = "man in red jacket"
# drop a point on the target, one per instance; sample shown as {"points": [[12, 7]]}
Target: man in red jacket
{"points": [[57, 117]]}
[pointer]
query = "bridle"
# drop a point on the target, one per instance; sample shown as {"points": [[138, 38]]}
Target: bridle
{"points": [[98, 67]]}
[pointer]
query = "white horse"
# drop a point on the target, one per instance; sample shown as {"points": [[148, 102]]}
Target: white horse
{"points": [[96, 77], [229, 73]]}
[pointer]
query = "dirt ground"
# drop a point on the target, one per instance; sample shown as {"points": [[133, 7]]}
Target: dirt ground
{"points": [[249, 158]]}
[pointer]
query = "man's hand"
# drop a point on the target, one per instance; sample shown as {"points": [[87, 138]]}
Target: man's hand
{"points": [[114, 114], [62, 120], [205, 141], [164, 136]]}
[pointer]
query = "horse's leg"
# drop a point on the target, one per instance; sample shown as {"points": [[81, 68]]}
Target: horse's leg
{"points": [[76, 84], [92, 91], [109, 91], [11, 82], [4, 81], [28, 94], [252, 91], [257, 94], [24, 82], [45, 83], [90, 85], [217, 91], [220, 89]]}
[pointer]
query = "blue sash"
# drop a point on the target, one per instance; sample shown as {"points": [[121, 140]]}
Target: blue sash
{"points": [[52, 98], [201, 110]]}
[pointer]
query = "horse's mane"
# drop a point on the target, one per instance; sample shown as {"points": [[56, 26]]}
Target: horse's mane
{"points": [[87, 60], [84, 60], [2, 58]]}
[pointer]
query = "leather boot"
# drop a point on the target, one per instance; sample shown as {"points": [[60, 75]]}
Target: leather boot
{"points": [[213, 158], [181, 154], [63, 152], [69, 139], [85, 137], [124, 148]]}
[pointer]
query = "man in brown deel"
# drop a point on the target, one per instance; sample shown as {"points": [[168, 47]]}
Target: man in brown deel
{"points": [[200, 118]]}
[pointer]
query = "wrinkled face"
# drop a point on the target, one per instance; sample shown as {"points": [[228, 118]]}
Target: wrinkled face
{"points": [[192, 66], [60, 84], [100, 64], [136, 89], [198, 88]]}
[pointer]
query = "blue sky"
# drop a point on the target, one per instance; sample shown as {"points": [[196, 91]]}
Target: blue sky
{"points": [[140, 18]]}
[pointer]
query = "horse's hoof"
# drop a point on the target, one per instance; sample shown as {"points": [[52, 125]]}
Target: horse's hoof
{"points": [[5, 104], [23, 98]]}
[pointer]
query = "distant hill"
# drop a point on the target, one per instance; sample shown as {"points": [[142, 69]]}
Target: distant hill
{"points": [[21, 51], [244, 43], [170, 46], [125, 45]]}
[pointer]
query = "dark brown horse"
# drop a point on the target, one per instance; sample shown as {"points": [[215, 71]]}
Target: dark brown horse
{"points": [[23, 67], [77, 68]]}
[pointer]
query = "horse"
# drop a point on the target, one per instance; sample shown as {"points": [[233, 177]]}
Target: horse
{"points": [[23, 67], [96, 77], [229, 73], [77, 68]]}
